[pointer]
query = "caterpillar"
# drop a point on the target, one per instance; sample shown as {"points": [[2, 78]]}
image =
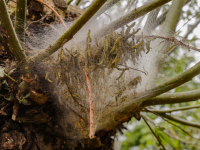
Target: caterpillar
{"points": [[135, 81], [100, 57]]}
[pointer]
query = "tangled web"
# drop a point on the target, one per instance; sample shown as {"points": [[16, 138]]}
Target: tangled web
{"points": [[118, 64], [113, 65]]}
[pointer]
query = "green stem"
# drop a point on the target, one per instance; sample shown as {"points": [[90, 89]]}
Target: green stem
{"points": [[162, 17], [173, 15], [172, 98], [191, 28], [175, 109], [68, 35], [77, 2], [181, 121], [11, 35], [20, 19], [136, 13], [170, 84], [105, 7], [69, 2], [180, 79]]}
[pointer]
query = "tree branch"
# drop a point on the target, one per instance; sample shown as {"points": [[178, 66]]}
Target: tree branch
{"points": [[54, 11], [70, 33], [174, 41], [11, 35], [20, 19], [77, 2], [181, 121], [191, 28], [69, 1], [170, 84], [136, 13], [162, 17], [179, 79], [175, 109], [105, 7], [173, 15], [173, 98]]}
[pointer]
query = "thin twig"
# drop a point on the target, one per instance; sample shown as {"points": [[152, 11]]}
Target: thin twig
{"points": [[193, 144], [172, 98], [134, 69], [9, 77], [191, 28], [153, 132], [54, 12], [173, 40], [91, 135], [187, 22], [105, 7], [134, 14], [37, 21], [181, 121]]}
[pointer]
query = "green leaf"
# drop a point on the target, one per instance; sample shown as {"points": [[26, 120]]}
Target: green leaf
{"points": [[5, 85], [161, 128], [166, 138], [10, 98], [27, 95], [24, 101], [176, 143]]}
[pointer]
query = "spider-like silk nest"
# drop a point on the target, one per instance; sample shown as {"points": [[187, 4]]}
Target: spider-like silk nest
{"points": [[118, 65], [107, 64]]}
